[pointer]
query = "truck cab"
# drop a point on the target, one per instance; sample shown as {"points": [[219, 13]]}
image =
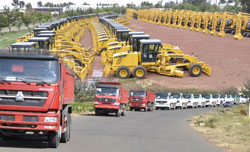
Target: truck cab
{"points": [[162, 101], [229, 98], [222, 98], [189, 98], [110, 97], [36, 92], [24, 47], [141, 99], [178, 99], [199, 100]]}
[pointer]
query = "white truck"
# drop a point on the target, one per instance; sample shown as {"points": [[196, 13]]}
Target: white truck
{"points": [[178, 98], [162, 101], [201, 102], [189, 98], [222, 98], [216, 99], [208, 100], [229, 98]]}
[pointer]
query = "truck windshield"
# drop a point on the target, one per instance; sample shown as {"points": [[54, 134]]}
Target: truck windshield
{"points": [[222, 96], [206, 96], [228, 96], [187, 96], [196, 96], [138, 93], [29, 70], [215, 96], [176, 96], [161, 95], [107, 91]]}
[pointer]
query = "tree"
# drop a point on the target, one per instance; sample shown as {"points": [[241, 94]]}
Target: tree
{"points": [[9, 16], [3, 22], [40, 4], [245, 91], [18, 4], [27, 18], [245, 4], [195, 2], [28, 6]]}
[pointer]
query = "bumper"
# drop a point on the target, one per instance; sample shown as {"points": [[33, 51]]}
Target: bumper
{"points": [[101, 106], [162, 105], [25, 121], [137, 105]]}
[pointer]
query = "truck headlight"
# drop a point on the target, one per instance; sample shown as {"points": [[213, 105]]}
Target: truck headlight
{"points": [[116, 104], [50, 119], [96, 103], [143, 104]]}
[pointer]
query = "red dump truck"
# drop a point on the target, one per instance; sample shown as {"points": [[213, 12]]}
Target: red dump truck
{"points": [[35, 96], [141, 100], [110, 97]]}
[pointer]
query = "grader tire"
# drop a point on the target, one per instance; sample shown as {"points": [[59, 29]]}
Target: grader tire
{"points": [[185, 61], [78, 62], [139, 72], [123, 72], [195, 70], [103, 49]]}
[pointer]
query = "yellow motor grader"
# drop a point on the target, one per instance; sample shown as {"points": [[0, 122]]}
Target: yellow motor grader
{"points": [[149, 58]]}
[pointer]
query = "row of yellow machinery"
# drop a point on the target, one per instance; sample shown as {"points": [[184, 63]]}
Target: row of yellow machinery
{"points": [[124, 52], [61, 37], [127, 53], [214, 23]]}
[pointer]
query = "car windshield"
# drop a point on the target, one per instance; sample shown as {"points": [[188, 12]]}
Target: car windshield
{"points": [[107, 91], [187, 96], [215, 96], [196, 96], [161, 95], [138, 93], [176, 96], [206, 96], [29, 70]]}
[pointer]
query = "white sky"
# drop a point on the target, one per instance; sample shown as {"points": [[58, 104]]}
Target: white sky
{"points": [[79, 2]]}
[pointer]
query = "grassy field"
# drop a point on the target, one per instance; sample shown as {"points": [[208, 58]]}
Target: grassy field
{"points": [[226, 128], [85, 107], [10, 37]]}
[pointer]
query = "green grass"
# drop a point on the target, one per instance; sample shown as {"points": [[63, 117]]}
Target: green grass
{"points": [[84, 107], [10, 37], [227, 128]]}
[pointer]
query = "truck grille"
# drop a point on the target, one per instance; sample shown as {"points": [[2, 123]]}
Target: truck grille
{"points": [[106, 100], [136, 99], [30, 98], [161, 102]]}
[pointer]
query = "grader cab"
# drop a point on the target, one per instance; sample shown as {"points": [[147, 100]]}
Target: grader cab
{"points": [[151, 58], [22, 47]]}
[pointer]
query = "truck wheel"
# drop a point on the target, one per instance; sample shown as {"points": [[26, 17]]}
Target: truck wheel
{"points": [[70, 127], [118, 113], [123, 72], [156, 108], [103, 49], [65, 135], [124, 111], [195, 70], [78, 62], [131, 109], [97, 112], [139, 72], [53, 139]]}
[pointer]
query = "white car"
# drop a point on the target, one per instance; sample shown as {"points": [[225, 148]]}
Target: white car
{"points": [[177, 98], [201, 102], [189, 98], [162, 101]]}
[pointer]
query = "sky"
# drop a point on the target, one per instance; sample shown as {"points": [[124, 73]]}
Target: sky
{"points": [[79, 2]]}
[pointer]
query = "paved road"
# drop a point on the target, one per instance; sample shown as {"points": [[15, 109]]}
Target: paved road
{"points": [[158, 131]]}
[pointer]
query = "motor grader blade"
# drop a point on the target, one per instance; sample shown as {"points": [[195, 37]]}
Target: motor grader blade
{"points": [[170, 70], [206, 69]]}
